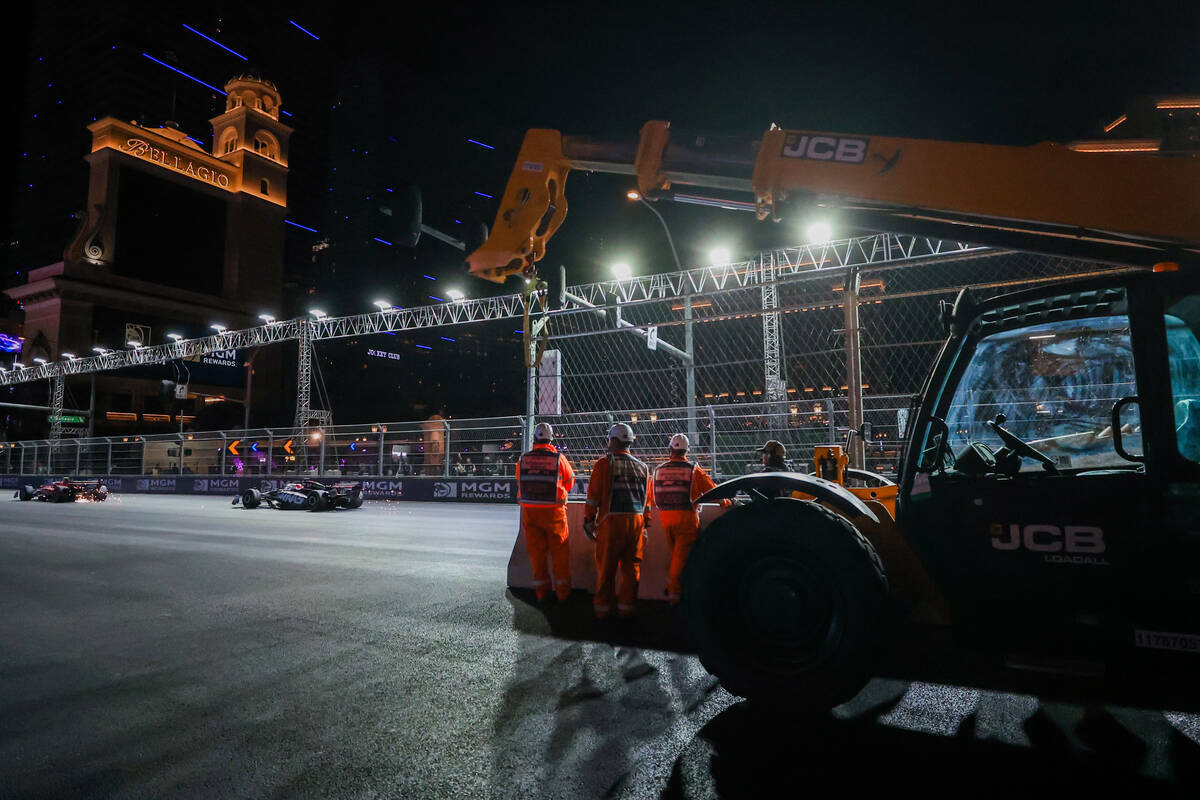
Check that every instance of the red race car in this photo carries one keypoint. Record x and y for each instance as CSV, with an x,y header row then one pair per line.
x,y
65,491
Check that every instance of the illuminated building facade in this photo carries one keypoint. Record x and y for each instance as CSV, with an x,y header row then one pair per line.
x,y
175,238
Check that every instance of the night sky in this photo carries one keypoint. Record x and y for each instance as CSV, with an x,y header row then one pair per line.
x,y
445,72
1007,74
423,80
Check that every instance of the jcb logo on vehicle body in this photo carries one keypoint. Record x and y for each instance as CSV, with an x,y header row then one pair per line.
x,y
846,149
1069,544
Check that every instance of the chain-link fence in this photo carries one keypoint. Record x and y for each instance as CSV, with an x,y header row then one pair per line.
x,y
732,355
704,361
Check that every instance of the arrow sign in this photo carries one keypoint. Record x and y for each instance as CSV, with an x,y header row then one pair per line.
x,y
287,446
354,445
233,447
254,447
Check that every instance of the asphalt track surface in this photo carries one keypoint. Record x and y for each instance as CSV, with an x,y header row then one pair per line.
x,y
178,647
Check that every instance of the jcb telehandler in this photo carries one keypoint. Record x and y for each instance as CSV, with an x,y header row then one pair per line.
x,y
1046,516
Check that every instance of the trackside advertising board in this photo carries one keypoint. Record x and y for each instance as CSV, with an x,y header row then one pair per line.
x,y
454,490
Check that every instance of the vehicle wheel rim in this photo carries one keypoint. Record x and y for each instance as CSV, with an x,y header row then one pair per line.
x,y
790,611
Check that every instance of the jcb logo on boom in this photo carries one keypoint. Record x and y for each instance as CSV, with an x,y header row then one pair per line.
x,y
846,149
1070,544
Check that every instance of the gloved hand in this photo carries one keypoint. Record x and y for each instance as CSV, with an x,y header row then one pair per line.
x,y
589,529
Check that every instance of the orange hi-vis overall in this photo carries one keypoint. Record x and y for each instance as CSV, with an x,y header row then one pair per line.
x,y
619,493
544,479
677,485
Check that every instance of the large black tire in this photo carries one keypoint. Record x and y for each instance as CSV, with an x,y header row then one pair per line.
x,y
314,501
25,492
356,499
251,498
786,603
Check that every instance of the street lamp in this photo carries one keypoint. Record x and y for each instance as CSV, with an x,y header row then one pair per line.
x,y
100,350
622,271
455,295
174,337
636,196
18,365
39,360
318,313
218,328
382,305
134,345
267,318
70,356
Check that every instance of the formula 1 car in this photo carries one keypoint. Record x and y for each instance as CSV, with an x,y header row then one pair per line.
x,y
306,495
64,491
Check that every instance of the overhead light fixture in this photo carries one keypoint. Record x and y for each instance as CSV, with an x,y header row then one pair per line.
x,y
318,313
99,350
68,355
218,328
39,360
719,256
634,195
622,271
174,337
267,318
134,345
455,294
382,305
18,365
818,232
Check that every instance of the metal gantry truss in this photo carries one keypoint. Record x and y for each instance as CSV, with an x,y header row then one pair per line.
x,y
767,270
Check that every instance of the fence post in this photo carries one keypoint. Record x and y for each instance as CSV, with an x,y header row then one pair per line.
x,y
78,454
689,367
223,440
853,365
832,420
109,441
530,406
143,468
712,440
179,470
382,434
446,448
321,456
270,452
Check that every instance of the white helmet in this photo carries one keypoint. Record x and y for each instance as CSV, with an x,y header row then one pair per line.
x,y
679,442
543,432
622,433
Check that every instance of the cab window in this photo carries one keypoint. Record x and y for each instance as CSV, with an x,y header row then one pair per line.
x,y
1182,321
1056,384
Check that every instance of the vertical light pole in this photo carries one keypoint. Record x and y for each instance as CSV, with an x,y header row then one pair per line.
x,y
853,366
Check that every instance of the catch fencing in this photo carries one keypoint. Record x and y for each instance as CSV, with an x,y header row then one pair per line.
x,y
732,355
